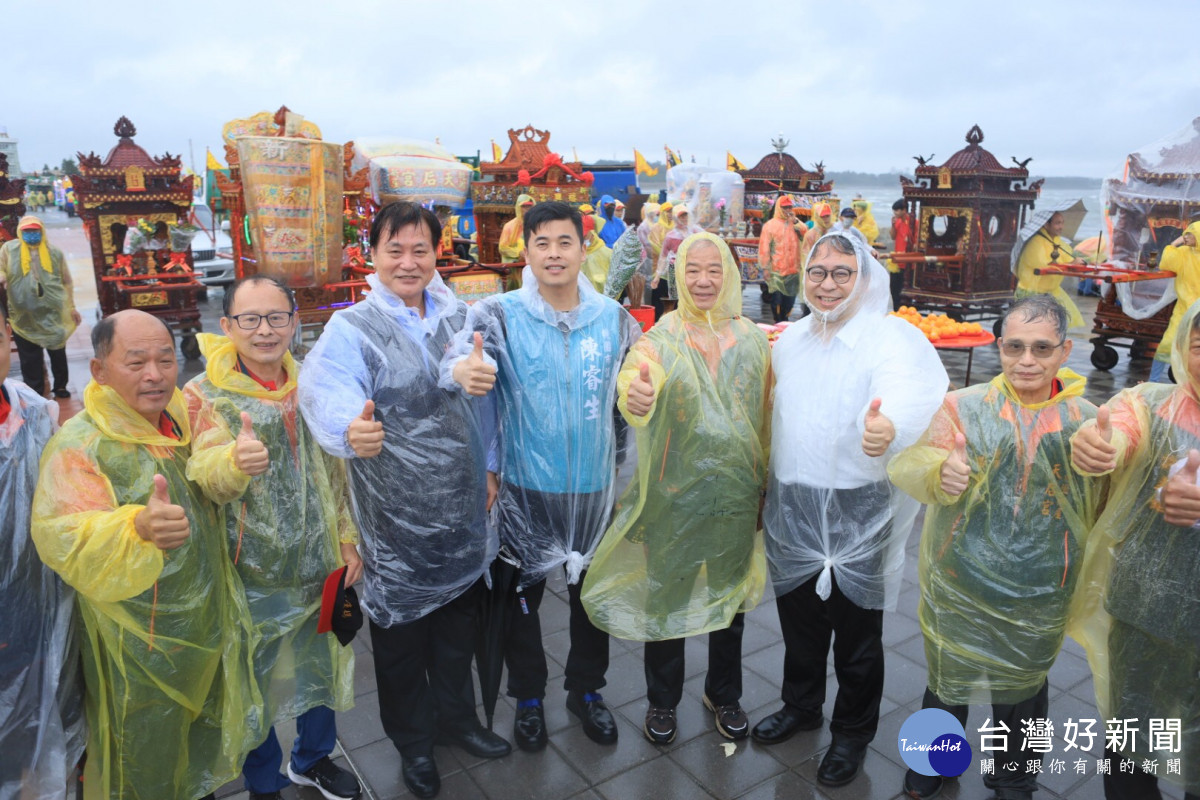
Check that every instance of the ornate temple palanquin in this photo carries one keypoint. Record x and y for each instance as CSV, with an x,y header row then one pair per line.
x,y
779,173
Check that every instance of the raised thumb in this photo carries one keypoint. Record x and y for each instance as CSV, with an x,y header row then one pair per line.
x,y
1188,472
160,489
874,408
368,412
1103,425
247,426
644,372
960,447
478,351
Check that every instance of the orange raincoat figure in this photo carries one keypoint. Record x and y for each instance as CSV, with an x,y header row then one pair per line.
x,y
779,258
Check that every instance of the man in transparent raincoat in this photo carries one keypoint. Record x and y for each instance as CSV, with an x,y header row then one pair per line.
x,y
1137,606
170,699
1004,532
853,387
41,695
683,555
41,304
287,526
417,461
555,348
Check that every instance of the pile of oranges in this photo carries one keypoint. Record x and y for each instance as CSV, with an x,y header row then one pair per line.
x,y
938,326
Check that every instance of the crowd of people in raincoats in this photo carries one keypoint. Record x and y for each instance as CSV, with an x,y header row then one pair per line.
x,y
176,552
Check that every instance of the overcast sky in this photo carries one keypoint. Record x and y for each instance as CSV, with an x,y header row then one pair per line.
x,y
858,85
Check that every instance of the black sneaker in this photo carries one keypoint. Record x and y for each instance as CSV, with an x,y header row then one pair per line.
x,y
268,796
730,719
922,787
660,726
328,778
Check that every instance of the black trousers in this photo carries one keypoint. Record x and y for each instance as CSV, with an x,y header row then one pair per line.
x,y
33,365
781,305
587,660
423,671
1136,785
723,683
808,624
896,286
1036,707
657,295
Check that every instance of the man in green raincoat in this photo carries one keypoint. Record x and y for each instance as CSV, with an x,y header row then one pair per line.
x,y
1002,544
41,304
1137,611
683,555
170,702
287,526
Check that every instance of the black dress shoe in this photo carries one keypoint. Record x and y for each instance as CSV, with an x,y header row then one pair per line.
x,y
479,742
529,728
598,722
841,763
783,724
421,775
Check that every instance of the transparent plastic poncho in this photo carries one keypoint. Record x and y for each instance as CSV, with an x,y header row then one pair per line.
x,y
1137,603
171,703
555,392
283,528
41,691
419,504
831,511
684,553
999,562
628,259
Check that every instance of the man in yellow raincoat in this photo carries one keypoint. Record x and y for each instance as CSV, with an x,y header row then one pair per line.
x,y
170,701
287,526
1137,608
864,220
779,258
1044,248
683,555
1181,257
1003,539
41,304
512,239
598,256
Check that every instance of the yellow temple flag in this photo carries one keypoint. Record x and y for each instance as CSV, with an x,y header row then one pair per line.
x,y
672,159
211,161
497,155
731,163
641,166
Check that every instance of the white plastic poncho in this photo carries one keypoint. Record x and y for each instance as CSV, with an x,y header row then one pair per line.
x,y
419,504
41,699
556,395
830,509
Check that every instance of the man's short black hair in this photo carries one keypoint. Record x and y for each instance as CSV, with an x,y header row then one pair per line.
x,y
399,215
232,290
102,336
899,205
549,211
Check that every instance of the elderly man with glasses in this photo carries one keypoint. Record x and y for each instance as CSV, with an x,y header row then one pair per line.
x,y
1003,538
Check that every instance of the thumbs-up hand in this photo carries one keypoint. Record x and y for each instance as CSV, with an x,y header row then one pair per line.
x,y
640,397
879,431
162,523
1181,495
249,454
365,434
476,376
1092,450
956,470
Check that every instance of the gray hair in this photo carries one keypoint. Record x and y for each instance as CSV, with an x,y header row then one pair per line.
x,y
1036,308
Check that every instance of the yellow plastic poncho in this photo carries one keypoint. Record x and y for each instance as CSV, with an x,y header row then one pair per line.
x,y
683,554
512,235
999,563
41,295
282,528
1184,261
660,229
596,262
1037,253
171,705
865,220
1137,604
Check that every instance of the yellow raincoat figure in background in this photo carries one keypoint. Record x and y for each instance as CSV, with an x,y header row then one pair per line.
x,y
659,231
865,220
683,555
1137,605
1044,248
512,239
598,258
170,701
1182,257
287,518
1005,524
41,304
